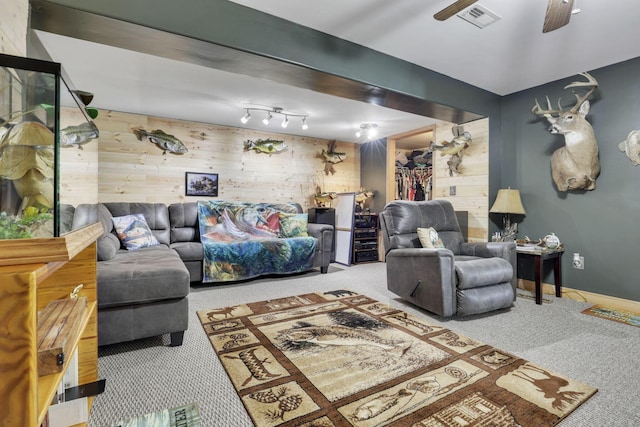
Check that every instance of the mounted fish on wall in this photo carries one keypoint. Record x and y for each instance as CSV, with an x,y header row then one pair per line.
x,y
331,157
76,136
460,142
631,147
268,146
169,143
322,198
361,197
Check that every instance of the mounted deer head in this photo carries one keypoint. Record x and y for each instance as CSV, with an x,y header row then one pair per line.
x,y
576,165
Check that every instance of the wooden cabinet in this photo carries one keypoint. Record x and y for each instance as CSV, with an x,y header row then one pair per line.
x,y
34,272
365,237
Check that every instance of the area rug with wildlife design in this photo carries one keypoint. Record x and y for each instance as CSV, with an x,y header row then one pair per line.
x,y
340,359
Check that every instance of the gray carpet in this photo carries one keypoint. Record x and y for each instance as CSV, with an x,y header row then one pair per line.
x,y
146,375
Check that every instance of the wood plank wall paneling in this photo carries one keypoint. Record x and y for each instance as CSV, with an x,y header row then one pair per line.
x,y
472,185
78,166
14,21
130,170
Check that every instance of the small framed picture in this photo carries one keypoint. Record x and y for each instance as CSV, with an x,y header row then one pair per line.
x,y
201,184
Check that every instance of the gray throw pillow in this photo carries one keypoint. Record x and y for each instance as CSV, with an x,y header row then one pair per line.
x,y
104,216
108,246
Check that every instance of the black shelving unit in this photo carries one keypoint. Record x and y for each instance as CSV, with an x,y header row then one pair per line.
x,y
365,238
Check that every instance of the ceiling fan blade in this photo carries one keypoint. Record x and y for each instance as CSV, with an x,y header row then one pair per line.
x,y
558,14
453,8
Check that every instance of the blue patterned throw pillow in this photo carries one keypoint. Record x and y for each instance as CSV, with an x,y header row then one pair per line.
x,y
133,232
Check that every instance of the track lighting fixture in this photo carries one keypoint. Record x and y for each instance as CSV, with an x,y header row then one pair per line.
x,y
368,130
276,110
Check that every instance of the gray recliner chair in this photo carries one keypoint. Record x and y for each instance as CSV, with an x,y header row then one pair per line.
x,y
460,279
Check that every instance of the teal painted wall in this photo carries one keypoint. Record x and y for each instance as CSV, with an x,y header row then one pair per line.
x,y
599,224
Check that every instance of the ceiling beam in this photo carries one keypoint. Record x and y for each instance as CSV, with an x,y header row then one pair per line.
x,y
70,22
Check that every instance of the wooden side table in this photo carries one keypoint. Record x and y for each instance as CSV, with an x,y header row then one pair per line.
x,y
539,257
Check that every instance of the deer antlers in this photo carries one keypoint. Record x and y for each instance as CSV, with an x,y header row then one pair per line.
x,y
591,83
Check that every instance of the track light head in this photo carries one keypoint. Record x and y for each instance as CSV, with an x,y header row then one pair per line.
x,y
271,111
369,130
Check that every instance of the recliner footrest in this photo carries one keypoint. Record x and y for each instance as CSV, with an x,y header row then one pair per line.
x,y
482,272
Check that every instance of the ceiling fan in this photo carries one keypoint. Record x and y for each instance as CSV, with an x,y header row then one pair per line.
x,y
557,15
453,8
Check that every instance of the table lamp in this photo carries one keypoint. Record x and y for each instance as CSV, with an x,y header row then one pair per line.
x,y
508,202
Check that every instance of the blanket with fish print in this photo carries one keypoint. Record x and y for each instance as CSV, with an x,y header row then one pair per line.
x,y
244,240
340,358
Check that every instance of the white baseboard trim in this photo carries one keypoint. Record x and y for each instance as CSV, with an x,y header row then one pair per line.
x,y
580,295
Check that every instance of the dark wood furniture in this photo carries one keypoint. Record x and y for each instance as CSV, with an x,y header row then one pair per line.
x,y
539,257
365,238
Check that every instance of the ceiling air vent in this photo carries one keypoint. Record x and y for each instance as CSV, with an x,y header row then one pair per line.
x,y
479,16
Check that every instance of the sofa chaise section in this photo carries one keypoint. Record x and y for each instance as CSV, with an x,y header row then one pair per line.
x,y
143,292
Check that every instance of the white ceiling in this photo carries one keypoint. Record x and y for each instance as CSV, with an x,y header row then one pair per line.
x,y
511,55
508,56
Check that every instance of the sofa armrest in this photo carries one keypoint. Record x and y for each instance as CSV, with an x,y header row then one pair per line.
x,y
504,250
321,232
425,277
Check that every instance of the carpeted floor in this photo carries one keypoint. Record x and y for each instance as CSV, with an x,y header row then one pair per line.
x,y
146,375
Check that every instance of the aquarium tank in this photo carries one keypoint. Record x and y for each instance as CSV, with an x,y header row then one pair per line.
x,y
30,92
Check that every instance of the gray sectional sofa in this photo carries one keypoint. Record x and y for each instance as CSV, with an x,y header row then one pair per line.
x,y
143,293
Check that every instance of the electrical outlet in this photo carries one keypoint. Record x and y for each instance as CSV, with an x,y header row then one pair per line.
x,y
578,262
452,190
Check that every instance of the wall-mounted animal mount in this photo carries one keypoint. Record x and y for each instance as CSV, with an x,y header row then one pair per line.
x,y
323,199
76,136
331,157
460,142
362,196
268,146
168,143
576,165
631,147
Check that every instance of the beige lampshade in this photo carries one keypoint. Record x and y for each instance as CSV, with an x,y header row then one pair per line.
x,y
508,201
